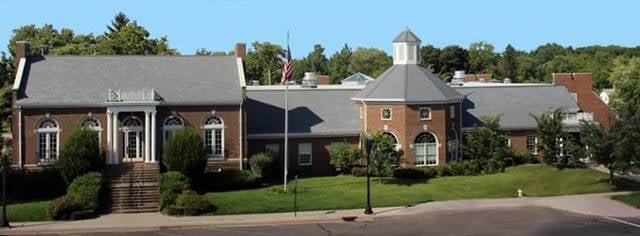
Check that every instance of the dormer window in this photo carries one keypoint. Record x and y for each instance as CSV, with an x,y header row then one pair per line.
x,y
425,113
385,113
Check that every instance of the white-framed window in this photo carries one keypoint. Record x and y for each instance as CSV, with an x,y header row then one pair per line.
x,y
170,125
393,138
93,124
48,135
425,113
425,149
452,112
386,113
214,136
532,142
273,148
304,154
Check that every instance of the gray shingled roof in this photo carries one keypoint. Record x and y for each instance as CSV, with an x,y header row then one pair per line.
x,y
408,83
311,112
407,36
85,80
515,104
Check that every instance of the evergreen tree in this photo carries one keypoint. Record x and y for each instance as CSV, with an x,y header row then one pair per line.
x,y
508,64
317,62
119,21
339,64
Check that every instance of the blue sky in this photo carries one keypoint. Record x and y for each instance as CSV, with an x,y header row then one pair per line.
x,y
219,24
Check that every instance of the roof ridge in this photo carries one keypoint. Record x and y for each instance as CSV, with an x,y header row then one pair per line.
x,y
176,56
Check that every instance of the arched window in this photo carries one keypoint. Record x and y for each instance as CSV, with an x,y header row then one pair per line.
x,y
48,133
425,149
132,121
214,136
91,123
171,124
453,146
133,129
391,136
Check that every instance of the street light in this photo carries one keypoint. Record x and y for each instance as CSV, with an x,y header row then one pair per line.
x,y
369,143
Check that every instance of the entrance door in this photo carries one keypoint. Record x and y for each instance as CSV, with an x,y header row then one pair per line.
x,y
133,141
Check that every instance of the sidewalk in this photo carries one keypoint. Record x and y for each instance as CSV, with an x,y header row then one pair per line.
x,y
629,176
590,204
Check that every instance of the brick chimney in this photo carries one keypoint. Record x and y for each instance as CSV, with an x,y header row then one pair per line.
x,y
241,50
486,78
22,51
470,78
581,86
323,79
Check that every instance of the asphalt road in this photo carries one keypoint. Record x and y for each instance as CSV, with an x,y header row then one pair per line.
x,y
501,221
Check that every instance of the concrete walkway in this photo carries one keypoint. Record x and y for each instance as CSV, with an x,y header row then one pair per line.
x,y
629,176
590,204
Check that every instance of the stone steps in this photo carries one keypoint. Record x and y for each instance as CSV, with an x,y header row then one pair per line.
x,y
133,188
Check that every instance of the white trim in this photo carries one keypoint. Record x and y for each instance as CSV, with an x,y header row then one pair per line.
x,y
170,128
147,137
109,137
49,132
390,113
420,113
154,158
241,72
310,154
18,80
211,127
20,136
302,135
404,101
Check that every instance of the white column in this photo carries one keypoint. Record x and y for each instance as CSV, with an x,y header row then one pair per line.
x,y
153,137
147,141
109,135
115,155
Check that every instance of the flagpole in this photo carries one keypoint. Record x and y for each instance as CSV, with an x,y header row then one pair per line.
x,y
286,124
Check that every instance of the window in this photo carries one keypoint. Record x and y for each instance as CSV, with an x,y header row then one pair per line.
x,y
425,113
93,124
213,136
532,141
453,145
385,113
273,148
411,53
391,136
452,112
425,150
48,134
304,154
171,124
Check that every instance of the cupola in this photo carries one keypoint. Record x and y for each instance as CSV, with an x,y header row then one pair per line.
x,y
406,48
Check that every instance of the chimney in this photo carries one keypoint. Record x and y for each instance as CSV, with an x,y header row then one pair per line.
x,y
581,86
470,78
241,50
484,77
22,51
323,79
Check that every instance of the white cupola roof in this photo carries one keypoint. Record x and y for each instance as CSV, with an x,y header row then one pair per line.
x,y
406,48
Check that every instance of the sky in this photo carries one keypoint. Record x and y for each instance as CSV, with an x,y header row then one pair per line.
x,y
218,24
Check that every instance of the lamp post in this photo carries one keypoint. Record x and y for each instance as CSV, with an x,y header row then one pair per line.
x,y
368,148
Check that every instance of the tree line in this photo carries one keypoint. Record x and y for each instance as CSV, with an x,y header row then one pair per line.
x,y
263,61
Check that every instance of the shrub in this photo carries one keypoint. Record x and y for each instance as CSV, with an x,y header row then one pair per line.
x,y
190,203
86,191
171,185
343,156
62,208
185,152
359,171
24,184
409,173
79,154
228,180
261,164
429,171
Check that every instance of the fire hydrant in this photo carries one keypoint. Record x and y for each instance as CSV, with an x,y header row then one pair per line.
x,y
520,193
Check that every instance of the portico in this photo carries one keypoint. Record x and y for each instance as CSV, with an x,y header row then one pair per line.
x,y
130,137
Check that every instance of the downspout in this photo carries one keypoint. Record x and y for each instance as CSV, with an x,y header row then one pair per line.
x,y
460,136
20,137
241,135
364,110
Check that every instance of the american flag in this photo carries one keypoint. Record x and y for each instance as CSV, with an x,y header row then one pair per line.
x,y
287,68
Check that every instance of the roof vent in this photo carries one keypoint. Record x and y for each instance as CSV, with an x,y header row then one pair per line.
x,y
255,82
458,78
309,80
506,81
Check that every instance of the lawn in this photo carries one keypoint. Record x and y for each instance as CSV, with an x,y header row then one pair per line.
x,y
33,210
630,199
344,192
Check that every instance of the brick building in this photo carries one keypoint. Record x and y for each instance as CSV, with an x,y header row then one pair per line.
x,y
135,102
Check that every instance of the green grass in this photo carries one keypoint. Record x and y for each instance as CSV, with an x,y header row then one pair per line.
x,y
345,192
629,199
32,210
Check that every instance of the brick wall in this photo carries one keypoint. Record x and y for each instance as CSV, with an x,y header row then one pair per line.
x,y
581,84
319,151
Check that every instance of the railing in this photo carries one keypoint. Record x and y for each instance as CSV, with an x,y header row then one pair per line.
x,y
576,118
141,95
